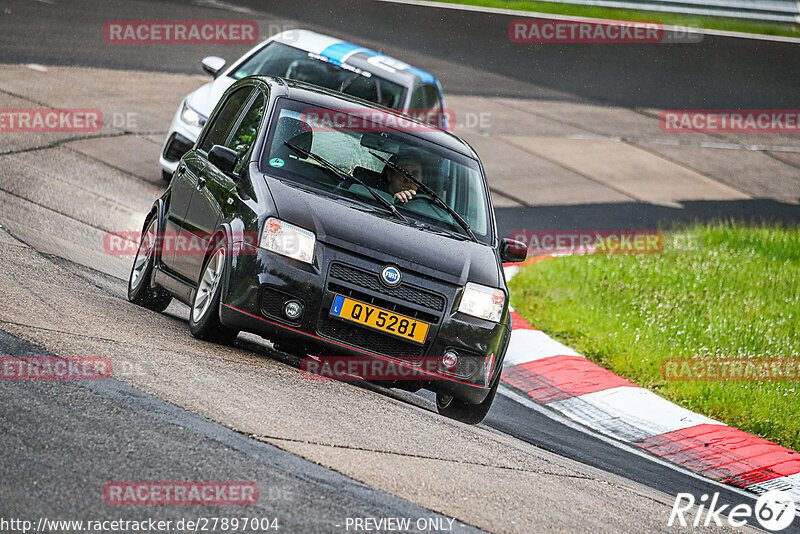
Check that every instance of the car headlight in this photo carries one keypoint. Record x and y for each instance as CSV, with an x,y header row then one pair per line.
x,y
190,116
481,301
288,240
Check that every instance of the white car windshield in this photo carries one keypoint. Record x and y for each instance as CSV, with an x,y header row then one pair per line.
x,y
277,59
372,154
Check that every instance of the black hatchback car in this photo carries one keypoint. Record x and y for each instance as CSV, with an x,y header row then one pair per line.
x,y
335,227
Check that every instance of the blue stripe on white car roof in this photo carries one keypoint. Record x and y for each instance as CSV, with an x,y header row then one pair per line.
x,y
341,51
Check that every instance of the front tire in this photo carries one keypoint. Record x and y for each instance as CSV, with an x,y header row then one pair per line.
x,y
140,290
166,176
204,320
472,414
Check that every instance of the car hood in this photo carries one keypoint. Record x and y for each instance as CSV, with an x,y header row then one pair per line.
x,y
430,254
206,97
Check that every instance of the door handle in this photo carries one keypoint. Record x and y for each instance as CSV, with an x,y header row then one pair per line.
x,y
201,183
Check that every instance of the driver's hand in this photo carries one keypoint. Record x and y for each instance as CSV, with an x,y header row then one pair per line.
x,y
404,196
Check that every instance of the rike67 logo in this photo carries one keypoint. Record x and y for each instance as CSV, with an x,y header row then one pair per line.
x,y
774,511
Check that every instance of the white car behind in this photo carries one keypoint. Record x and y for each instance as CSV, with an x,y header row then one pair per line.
x,y
311,57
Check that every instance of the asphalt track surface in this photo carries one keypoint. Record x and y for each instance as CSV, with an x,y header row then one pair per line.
x,y
469,52
459,47
135,436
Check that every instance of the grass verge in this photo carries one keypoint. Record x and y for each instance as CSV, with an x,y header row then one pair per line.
x,y
718,291
671,19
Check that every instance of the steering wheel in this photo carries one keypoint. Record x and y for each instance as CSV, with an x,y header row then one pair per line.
x,y
421,196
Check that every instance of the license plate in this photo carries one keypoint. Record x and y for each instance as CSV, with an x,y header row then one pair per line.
x,y
379,319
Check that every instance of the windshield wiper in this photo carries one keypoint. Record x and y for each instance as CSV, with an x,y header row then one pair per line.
x,y
436,199
461,236
343,176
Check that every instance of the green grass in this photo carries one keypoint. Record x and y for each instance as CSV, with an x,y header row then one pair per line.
x,y
720,291
674,19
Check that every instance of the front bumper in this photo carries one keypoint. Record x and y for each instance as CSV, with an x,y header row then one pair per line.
x,y
260,282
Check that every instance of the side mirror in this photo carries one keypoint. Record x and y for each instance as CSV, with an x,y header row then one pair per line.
x,y
213,65
512,251
223,158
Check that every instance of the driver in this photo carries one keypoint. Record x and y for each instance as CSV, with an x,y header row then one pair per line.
x,y
397,185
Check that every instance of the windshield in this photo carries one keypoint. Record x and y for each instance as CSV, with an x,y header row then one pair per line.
x,y
296,142
277,59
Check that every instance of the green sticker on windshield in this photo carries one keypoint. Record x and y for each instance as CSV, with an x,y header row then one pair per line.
x,y
276,162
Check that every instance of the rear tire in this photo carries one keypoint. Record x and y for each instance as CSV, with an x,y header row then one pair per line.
x,y
204,320
140,290
472,414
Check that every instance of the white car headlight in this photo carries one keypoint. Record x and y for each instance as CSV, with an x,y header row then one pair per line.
x,y
190,116
481,301
288,240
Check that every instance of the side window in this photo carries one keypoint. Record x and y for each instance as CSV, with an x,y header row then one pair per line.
x,y
425,96
427,107
432,97
244,136
417,99
216,132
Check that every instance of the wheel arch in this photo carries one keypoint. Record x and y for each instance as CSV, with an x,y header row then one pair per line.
x,y
233,232
159,210
159,207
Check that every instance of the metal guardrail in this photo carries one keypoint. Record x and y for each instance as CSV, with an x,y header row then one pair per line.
x,y
764,10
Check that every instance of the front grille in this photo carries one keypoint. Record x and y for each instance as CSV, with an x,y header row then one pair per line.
x,y
381,303
372,282
368,339
176,147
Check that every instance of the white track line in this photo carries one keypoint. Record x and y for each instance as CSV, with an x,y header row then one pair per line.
x,y
630,413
